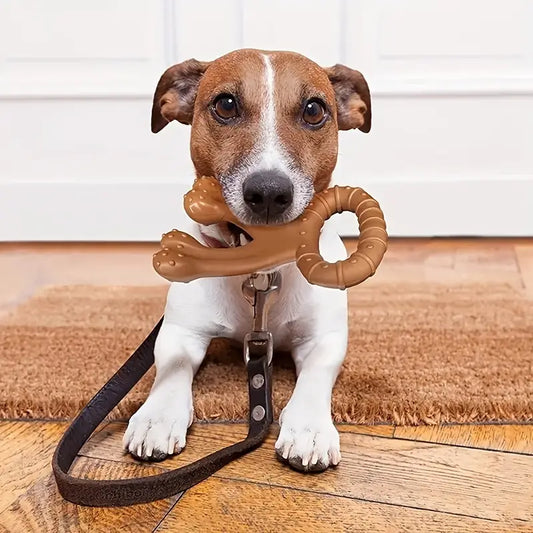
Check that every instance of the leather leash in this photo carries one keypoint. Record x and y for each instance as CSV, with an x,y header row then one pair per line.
x,y
119,492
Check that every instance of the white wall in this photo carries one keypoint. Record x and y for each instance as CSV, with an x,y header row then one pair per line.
x,y
452,83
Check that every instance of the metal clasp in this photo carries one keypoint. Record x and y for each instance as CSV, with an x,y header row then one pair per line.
x,y
259,290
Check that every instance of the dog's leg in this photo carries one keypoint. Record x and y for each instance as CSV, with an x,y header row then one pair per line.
x,y
308,440
159,427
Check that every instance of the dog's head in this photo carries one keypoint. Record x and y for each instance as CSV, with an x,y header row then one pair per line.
x,y
265,124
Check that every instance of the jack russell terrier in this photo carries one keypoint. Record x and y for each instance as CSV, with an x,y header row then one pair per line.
x,y
265,124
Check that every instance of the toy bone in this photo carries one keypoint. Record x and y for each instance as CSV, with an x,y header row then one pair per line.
x,y
183,258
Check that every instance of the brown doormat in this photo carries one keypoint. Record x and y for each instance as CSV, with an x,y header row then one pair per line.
x,y
422,353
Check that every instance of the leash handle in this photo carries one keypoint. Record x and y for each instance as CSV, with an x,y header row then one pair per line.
x,y
120,492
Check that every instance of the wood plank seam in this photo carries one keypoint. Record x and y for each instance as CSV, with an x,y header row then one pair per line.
x,y
462,445
164,517
335,495
469,447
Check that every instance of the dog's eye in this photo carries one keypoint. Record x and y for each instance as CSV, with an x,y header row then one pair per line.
x,y
225,106
314,112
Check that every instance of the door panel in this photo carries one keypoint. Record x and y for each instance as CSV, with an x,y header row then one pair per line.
x,y
452,83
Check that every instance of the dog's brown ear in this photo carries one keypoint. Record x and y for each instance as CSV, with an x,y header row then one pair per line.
x,y
176,92
353,98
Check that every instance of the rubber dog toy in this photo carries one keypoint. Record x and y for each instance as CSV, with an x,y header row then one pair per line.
x,y
183,258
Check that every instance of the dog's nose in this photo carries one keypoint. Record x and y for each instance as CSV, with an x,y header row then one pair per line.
x,y
268,193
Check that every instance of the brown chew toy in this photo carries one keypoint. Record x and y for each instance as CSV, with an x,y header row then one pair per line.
x,y
183,258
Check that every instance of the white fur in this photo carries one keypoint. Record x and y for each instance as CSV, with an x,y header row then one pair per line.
x,y
270,152
310,321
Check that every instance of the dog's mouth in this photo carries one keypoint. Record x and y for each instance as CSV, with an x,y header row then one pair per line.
x,y
237,236
226,235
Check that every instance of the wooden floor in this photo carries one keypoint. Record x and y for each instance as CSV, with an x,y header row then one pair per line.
x,y
452,478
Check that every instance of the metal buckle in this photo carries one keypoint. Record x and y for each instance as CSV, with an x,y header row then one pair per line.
x,y
261,338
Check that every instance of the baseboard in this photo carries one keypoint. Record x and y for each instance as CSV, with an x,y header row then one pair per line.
x,y
107,211
95,211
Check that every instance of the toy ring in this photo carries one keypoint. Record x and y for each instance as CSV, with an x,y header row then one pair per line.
x,y
183,258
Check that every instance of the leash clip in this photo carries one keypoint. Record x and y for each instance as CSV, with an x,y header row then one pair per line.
x,y
256,344
259,290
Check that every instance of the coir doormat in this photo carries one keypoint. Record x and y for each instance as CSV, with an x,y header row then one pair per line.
x,y
423,353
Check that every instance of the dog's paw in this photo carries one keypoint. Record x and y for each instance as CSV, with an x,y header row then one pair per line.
x,y
307,442
156,431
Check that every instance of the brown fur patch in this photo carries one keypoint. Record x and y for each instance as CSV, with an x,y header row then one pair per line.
x,y
175,93
353,98
216,148
186,93
298,79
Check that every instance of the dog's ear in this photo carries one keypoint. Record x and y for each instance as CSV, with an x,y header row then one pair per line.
x,y
176,92
353,98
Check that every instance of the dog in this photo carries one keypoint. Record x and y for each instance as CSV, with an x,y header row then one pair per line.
x,y
265,125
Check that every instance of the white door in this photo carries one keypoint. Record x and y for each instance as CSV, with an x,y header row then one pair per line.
x,y
452,83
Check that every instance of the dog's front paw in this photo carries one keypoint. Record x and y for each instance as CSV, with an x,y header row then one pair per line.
x,y
306,441
157,430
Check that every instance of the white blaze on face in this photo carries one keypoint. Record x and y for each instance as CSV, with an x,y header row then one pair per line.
x,y
269,149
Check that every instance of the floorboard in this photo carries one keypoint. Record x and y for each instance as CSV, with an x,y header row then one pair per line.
x,y
512,438
227,505
472,482
42,509
25,452
393,480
